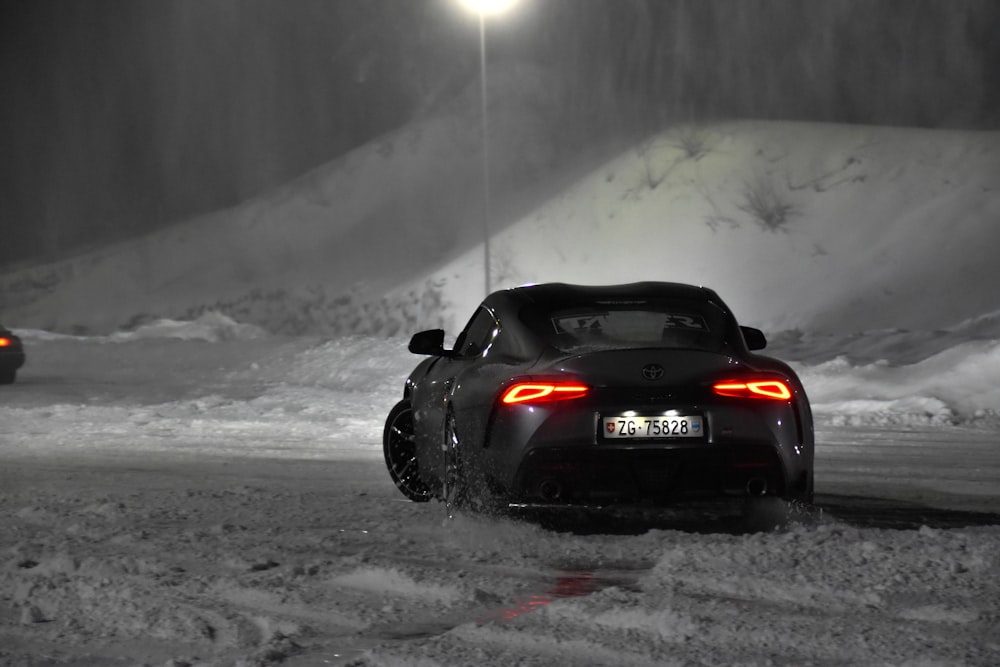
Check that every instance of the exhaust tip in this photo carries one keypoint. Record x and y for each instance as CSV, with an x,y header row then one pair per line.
x,y
550,490
757,487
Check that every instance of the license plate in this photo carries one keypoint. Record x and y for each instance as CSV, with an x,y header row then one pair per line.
x,y
652,426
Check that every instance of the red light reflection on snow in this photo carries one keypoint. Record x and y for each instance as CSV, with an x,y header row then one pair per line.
x,y
575,585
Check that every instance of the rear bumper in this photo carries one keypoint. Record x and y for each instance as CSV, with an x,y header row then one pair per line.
x,y
559,453
601,475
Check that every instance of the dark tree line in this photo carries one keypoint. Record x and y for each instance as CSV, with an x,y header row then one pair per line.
x,y
118,116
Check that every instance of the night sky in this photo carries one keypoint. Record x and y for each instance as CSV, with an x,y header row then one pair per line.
x,y
118,116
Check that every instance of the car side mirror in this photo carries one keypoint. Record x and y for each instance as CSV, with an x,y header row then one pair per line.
x,y
754,338
428,342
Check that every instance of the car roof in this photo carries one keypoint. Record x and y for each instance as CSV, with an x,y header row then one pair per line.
x,y
547,294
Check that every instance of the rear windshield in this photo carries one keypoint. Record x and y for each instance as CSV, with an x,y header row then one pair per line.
x,y
615,325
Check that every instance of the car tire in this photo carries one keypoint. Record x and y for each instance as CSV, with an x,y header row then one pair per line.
x,y
461,489
8,376
400,453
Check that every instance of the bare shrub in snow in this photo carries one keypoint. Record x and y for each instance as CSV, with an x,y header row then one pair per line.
x,y
768,209
692,141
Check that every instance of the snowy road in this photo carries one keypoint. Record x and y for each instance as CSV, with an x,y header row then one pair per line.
x,y
225,503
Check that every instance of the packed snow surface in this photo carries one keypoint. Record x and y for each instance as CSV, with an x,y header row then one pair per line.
x,y
202,493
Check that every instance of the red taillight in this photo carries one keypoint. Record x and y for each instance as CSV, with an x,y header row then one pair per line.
x,y
773,389
4,342
535,392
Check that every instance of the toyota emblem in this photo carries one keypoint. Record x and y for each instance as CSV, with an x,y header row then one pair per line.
x,y
652,371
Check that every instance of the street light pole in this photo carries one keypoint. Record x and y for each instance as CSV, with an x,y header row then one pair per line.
x,y
482,9
484,119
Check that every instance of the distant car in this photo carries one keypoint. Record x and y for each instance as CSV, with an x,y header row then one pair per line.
x,y
559,394
11,356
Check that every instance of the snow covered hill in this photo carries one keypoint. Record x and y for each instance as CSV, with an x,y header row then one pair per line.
x,y
820,228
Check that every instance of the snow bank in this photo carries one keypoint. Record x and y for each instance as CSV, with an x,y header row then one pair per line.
x,y
211,326
959,384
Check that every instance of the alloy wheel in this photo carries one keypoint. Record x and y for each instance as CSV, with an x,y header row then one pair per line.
x,y
399,449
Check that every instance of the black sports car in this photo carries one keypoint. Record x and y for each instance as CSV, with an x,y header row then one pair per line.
x,y
11,356
561,394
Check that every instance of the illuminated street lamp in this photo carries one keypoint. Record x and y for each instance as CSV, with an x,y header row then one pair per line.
x,y
484,9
